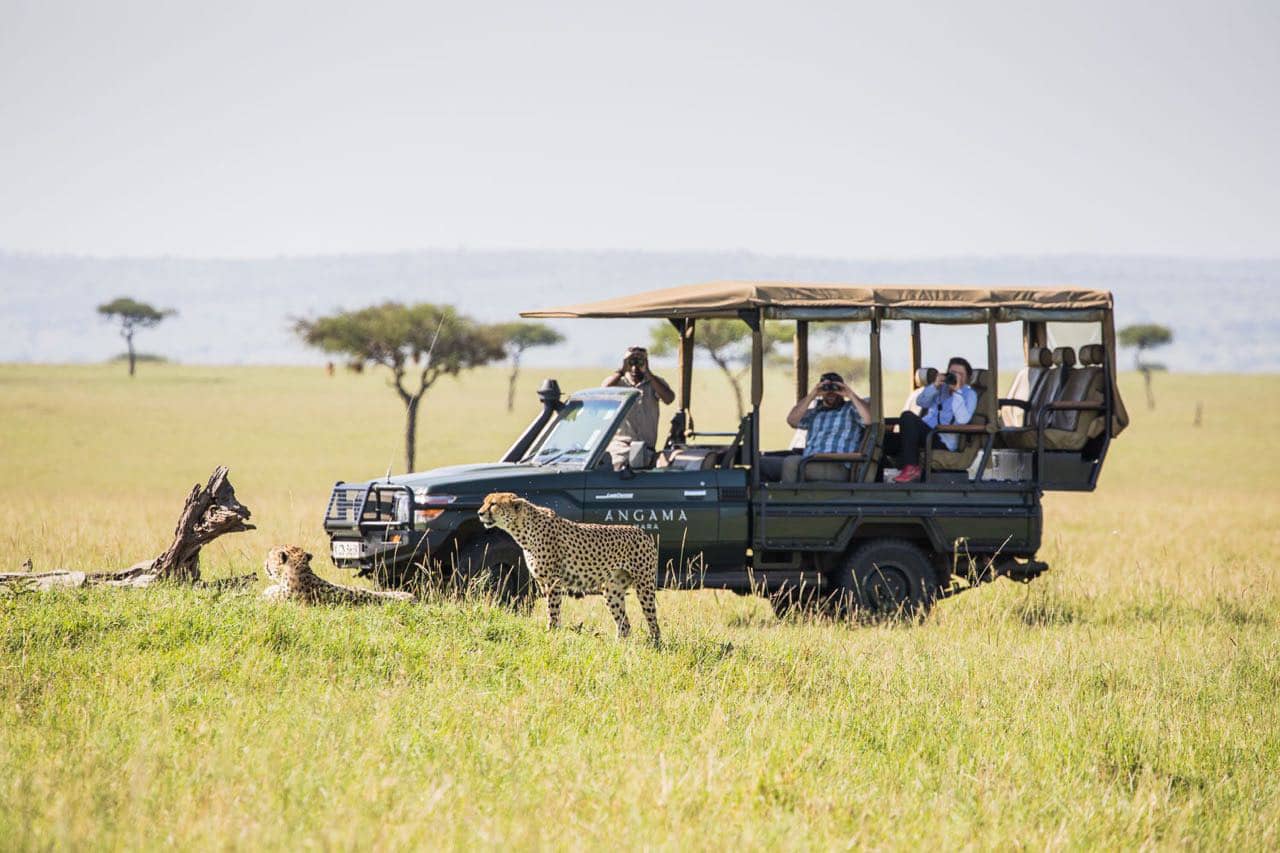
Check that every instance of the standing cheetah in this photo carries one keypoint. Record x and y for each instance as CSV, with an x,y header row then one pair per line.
x,y
290,567
565,556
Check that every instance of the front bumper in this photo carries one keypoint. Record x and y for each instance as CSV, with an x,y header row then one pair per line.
x,y
378,527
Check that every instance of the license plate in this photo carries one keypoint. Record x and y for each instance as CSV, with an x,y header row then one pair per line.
x,y
347,550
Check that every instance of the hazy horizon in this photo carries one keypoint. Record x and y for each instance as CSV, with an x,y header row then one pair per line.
x,y
238,311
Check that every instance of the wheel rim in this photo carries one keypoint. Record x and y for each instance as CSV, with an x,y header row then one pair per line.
x,y
886,588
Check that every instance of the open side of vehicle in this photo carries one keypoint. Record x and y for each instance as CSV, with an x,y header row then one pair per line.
x,y
975,514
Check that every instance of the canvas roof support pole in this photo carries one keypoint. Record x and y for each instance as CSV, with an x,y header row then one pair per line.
x,y
915,349
1036,334
685,326
993,368
801,356
684,355
754,319
877,380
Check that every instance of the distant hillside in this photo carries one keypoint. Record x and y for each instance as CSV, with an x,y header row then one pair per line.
x,y
238,311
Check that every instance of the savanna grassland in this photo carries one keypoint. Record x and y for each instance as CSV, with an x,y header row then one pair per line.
x,y
1129,698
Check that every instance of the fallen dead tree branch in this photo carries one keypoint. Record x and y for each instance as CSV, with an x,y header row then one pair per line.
x,y
209,512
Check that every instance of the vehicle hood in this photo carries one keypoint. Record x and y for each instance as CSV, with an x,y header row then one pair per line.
x,y
478,478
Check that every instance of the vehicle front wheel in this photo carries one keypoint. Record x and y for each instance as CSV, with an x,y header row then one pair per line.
x,y
888,578
493,564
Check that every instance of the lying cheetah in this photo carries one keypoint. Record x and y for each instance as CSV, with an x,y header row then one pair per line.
x,y
290,567
565,556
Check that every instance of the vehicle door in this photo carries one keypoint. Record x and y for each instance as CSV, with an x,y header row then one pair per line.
x,y
680,509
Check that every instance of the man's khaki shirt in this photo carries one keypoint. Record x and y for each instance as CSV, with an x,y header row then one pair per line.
x,y
641,422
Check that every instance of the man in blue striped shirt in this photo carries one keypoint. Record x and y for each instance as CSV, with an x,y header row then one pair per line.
x,y
834,425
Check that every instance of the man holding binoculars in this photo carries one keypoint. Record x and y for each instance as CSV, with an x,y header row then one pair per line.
x,y
641,423
947,400
834,418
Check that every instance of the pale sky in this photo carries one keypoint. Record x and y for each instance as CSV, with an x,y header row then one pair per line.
x,y
842,129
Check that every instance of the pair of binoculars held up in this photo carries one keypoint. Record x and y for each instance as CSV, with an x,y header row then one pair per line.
x,y
928,375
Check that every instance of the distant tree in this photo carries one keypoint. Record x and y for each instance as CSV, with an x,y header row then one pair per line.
x,y
1142,337
854,369
838,342
422,342
133,315
518,337
829,352
726,342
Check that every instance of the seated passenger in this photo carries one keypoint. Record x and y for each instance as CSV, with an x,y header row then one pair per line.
x,y
834,425
944,402
641,422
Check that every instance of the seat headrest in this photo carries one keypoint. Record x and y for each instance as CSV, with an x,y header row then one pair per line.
x,y
1064,357
979,378
1039,357
925,376
1092,354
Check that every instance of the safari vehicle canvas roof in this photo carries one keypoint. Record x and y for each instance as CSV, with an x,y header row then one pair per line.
x,y
795,300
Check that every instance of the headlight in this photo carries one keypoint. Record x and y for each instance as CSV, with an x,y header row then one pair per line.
x,y
430,506
402,507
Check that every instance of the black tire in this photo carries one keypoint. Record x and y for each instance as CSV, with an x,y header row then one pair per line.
x,y
793,599
413,575
887,578
804,601
493,564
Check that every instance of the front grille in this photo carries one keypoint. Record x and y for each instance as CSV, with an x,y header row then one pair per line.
x,y
350,506
346,504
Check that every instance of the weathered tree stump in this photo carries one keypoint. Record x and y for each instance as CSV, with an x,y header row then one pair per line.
x,y
208,513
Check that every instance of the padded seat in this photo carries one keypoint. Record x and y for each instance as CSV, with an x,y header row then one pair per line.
x,y
1030,388
922,377
690,458
1075,414
1023,436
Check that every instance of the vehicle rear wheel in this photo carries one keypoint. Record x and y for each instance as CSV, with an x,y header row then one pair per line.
x,y
888,578
493,564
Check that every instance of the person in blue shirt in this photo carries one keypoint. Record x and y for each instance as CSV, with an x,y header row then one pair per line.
x,y
834,425
942,403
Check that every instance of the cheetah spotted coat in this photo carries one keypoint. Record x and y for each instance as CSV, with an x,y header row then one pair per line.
x,y
565,556
290,567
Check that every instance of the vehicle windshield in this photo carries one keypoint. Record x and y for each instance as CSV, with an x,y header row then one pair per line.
x,y
578,429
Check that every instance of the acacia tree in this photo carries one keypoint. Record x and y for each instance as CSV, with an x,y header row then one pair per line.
x,y
417,343
726,342
840,341
133,315
1145,336
518,337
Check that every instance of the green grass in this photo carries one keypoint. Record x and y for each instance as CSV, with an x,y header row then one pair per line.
x,y
1126,699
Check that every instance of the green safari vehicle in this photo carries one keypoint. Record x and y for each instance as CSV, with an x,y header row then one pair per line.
x,y
864,540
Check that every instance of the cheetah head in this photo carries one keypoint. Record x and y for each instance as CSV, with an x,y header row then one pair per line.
x,y
500,509
286,561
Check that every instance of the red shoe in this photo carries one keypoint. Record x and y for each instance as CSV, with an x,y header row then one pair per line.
x,y
909,474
